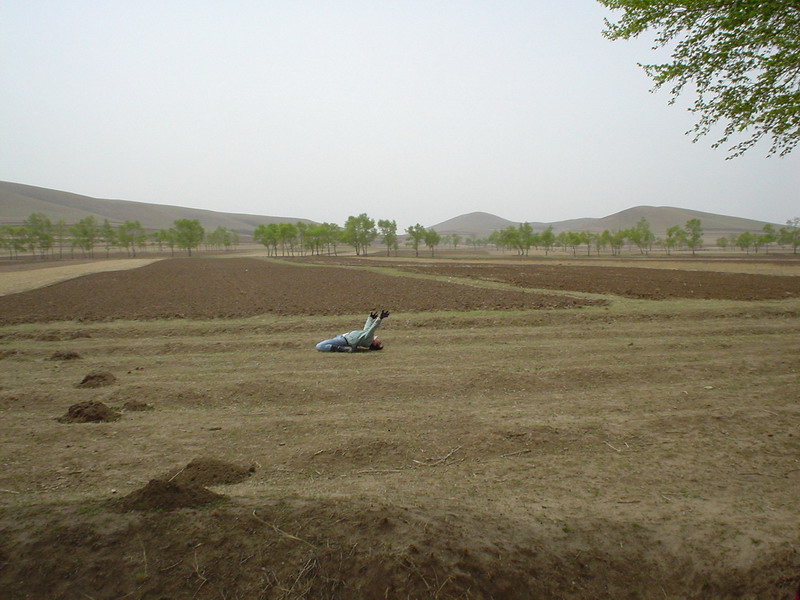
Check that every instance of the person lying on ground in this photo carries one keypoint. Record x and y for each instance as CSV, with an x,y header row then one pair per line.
x,y
359,339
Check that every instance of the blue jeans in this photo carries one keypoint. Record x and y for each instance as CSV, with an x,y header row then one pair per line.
x,y
331,344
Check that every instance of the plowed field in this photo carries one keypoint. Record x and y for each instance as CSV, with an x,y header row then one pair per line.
x,y
207,288
628,281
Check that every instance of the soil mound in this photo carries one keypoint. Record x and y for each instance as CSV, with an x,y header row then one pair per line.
x,y
97,379
210,471
160,494
65,355
137,406
89,412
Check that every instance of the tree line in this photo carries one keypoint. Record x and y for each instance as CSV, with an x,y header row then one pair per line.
x,y
38,235
359,232
639,238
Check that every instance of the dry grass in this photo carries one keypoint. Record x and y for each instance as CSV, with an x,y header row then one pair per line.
x,y
660,387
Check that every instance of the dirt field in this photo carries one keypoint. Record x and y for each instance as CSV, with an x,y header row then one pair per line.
x,y
20,276
586,441
207,288
630,281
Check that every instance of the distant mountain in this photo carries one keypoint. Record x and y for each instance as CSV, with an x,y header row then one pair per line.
x,y
661,218
475,224
480,225
18,202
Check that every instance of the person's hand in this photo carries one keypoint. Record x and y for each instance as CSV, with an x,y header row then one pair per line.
x,y
373,315
384,314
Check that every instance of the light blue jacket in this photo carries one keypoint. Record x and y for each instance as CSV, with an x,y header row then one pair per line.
x,y
363,337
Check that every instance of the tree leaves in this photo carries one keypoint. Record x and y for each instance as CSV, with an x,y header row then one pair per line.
x,y
742,58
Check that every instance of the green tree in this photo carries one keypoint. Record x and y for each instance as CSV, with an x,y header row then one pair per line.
x,y
740,56
416,234
171,239
85,234
676,238
509,238
332,234
164,237
694,234
287,234
189,234
220,238
311,239
302,229
131,235
269,236
573,239
359,232
616,240
587,238
603,240
108,236
13,239
40,233
561,240
60,232
5,239
526,237
432,239
723,242
548,239
319,237
641,236
769,236
388,233
790,235
495,239
744,241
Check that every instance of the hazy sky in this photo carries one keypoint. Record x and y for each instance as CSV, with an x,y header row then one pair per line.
x,y
416,111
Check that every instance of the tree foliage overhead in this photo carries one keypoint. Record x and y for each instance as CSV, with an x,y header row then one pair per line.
x,y
741,56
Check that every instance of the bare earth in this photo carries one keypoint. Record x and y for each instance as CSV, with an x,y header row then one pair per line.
x,y
530,431
206,288
15,278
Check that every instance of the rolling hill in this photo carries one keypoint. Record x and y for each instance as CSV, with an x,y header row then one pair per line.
x,y
479,224
18,202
